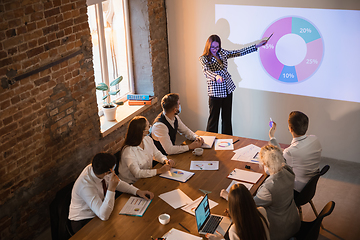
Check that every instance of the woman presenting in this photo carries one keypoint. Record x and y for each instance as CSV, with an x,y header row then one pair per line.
x,y
219,83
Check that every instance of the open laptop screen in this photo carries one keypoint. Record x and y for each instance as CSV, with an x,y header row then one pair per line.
x,y
202,212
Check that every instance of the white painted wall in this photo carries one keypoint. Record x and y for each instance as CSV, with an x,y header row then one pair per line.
x,y
190,22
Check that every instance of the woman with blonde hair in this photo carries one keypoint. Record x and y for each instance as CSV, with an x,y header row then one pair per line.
x,y
249,222
276,194
138,153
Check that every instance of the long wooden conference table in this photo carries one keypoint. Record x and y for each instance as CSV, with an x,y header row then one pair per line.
x,y
147,226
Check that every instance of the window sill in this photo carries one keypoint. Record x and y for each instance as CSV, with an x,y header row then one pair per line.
x,y
124,114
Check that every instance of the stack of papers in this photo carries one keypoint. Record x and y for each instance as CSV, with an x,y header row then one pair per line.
x,y
176,198
190,208
246,176
249,153
175,234
177,175
247,185
224,144
135,206
204,165
208,141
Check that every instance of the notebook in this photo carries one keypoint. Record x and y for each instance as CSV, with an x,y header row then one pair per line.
x,y
208,141
207,222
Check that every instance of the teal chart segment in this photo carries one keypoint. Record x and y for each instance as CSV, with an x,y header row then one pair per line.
x,y
294,52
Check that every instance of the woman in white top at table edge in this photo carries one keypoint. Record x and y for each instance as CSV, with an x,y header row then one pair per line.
x,y
138,153
249,222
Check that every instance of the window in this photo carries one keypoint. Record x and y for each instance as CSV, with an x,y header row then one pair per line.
x,y
108,22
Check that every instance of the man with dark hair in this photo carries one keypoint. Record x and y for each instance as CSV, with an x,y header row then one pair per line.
x,y
304,153
93,193
168,123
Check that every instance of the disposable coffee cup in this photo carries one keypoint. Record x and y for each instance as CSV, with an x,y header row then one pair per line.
x,y
164,218
198,151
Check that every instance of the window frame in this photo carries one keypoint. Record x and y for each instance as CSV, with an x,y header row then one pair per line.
x,y
102,46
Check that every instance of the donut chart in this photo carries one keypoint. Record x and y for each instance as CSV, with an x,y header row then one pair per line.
x,y
309,50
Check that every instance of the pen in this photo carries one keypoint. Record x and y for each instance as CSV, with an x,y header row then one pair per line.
x,y
236,141
184,227
115,174
255,155
198,166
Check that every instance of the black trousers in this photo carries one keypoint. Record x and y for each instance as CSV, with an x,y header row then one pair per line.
x,y
215,106
77,225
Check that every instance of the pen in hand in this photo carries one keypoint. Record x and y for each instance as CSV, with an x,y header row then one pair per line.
x,y
115,174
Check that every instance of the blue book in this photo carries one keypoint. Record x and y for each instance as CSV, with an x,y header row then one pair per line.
x,y
138,97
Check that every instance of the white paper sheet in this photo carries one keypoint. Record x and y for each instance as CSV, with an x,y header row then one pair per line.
x,y
247,176
208,141
247,185
135,206
249,153
204,165
176,198
175,234
224,144
190,208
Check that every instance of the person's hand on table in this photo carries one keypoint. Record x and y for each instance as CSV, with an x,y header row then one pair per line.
x,y
272,130
219,79
216,236
164,168
145,194
196,144
226,212
200,139
224,194
170,162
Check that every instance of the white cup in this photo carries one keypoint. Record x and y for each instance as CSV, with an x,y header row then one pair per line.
x,y
198,151
164,218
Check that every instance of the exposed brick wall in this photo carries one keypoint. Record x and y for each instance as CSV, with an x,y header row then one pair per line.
x,y
49,127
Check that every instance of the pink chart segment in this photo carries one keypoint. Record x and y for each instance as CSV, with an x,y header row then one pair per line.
x,y
314,54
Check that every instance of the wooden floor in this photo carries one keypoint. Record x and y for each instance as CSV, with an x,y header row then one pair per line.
x,y
340,184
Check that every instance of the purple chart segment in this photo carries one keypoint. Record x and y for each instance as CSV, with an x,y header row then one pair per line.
x,y
267,53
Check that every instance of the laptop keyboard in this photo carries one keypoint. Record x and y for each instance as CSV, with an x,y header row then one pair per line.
x,y
212,224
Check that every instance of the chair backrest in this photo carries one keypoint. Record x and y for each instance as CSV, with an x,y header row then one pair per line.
x,y
309,190
118,158
314,229
59,212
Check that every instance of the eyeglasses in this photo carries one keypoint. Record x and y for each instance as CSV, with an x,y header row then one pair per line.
x,y
215,47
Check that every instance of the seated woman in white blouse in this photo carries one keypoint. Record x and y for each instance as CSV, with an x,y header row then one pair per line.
x,y
138,153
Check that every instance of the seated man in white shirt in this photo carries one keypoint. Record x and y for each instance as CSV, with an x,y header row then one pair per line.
x,y
93,193
304,153
168,123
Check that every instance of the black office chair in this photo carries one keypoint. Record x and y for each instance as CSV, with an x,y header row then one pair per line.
x,y
308,192
118,158
59,212
311,230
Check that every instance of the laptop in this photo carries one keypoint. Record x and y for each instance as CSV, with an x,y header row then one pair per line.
x,y
210,223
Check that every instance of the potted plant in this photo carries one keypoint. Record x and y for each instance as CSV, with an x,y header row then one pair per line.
x,y
109,107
